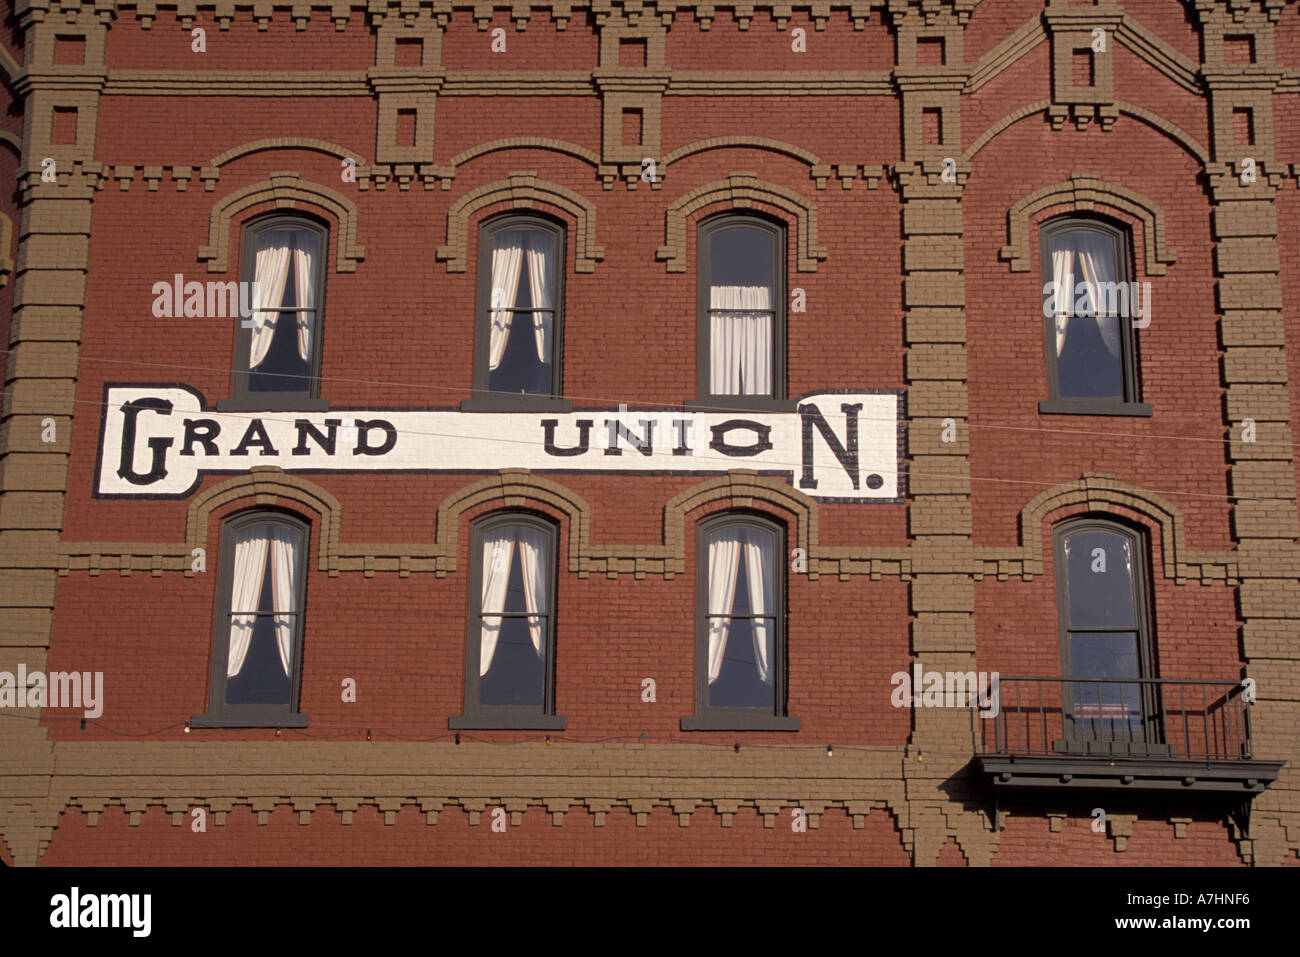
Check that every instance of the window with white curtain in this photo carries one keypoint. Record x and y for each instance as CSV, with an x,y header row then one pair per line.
x,y
510,662
277,349
742,312
521,295
740,646
1089,315
257,647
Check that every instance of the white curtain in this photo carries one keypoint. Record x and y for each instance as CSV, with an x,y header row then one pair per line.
x,y
532,555
760,552
271,273
540,251
1063,275
304,287
740,347
724,562
498,553
251,544
1094,257
1096,262
284,568
507,259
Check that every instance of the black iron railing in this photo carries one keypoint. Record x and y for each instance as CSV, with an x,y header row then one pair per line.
x,y
1148,717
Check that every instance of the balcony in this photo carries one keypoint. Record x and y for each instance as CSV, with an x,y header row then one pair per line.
x,y
1135,734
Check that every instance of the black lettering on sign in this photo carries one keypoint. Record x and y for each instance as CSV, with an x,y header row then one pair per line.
x,y
203,431
584,437
306,430
763,434
256,435
157,445
846,452
365,427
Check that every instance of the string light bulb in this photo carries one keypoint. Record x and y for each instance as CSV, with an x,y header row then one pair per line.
x,y
830,751
187,727
367,734
737,747
548,740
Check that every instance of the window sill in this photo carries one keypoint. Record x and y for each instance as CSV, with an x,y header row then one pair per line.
x,y
1094,407
739,722
274,402
516,403
248,721
478,722
740,404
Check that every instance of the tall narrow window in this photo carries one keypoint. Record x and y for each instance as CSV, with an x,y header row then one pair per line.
x,y
742,313
257,648
510,664
740,637
1089,310
277,348
1105,635
521,295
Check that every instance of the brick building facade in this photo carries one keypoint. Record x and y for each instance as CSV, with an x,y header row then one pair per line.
x,y
899,458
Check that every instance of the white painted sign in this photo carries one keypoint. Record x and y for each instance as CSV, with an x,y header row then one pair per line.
x,y
158,441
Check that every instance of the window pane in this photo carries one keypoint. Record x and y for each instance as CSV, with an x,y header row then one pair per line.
x,y
1107,707
1099,575
515,622
281,341
521,321
262,678
1088,343
741,310
742,621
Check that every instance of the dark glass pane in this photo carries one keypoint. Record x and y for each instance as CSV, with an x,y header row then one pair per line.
x,y
521,369
741,256
1099,573
1108,708
283,369
517,674
1085,367
739,684
261,680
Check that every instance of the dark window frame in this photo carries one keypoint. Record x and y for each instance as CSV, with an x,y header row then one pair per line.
x,y
484,400
721,718
1129,404
477,716
223,715
706,399
1143,605
307,400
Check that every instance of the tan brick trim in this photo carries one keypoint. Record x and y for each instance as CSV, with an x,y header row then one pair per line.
x,y
526,143
522,190
286,190
286,143
1104,492
511,488
1006,53
741,191
1010,119
1165,58
743,142
1085,191
1172,130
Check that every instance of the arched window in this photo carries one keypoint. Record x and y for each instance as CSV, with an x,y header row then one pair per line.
x,y
1103,605
258,634
510,659
518,343
1089,312
740,632
741,302
278,347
